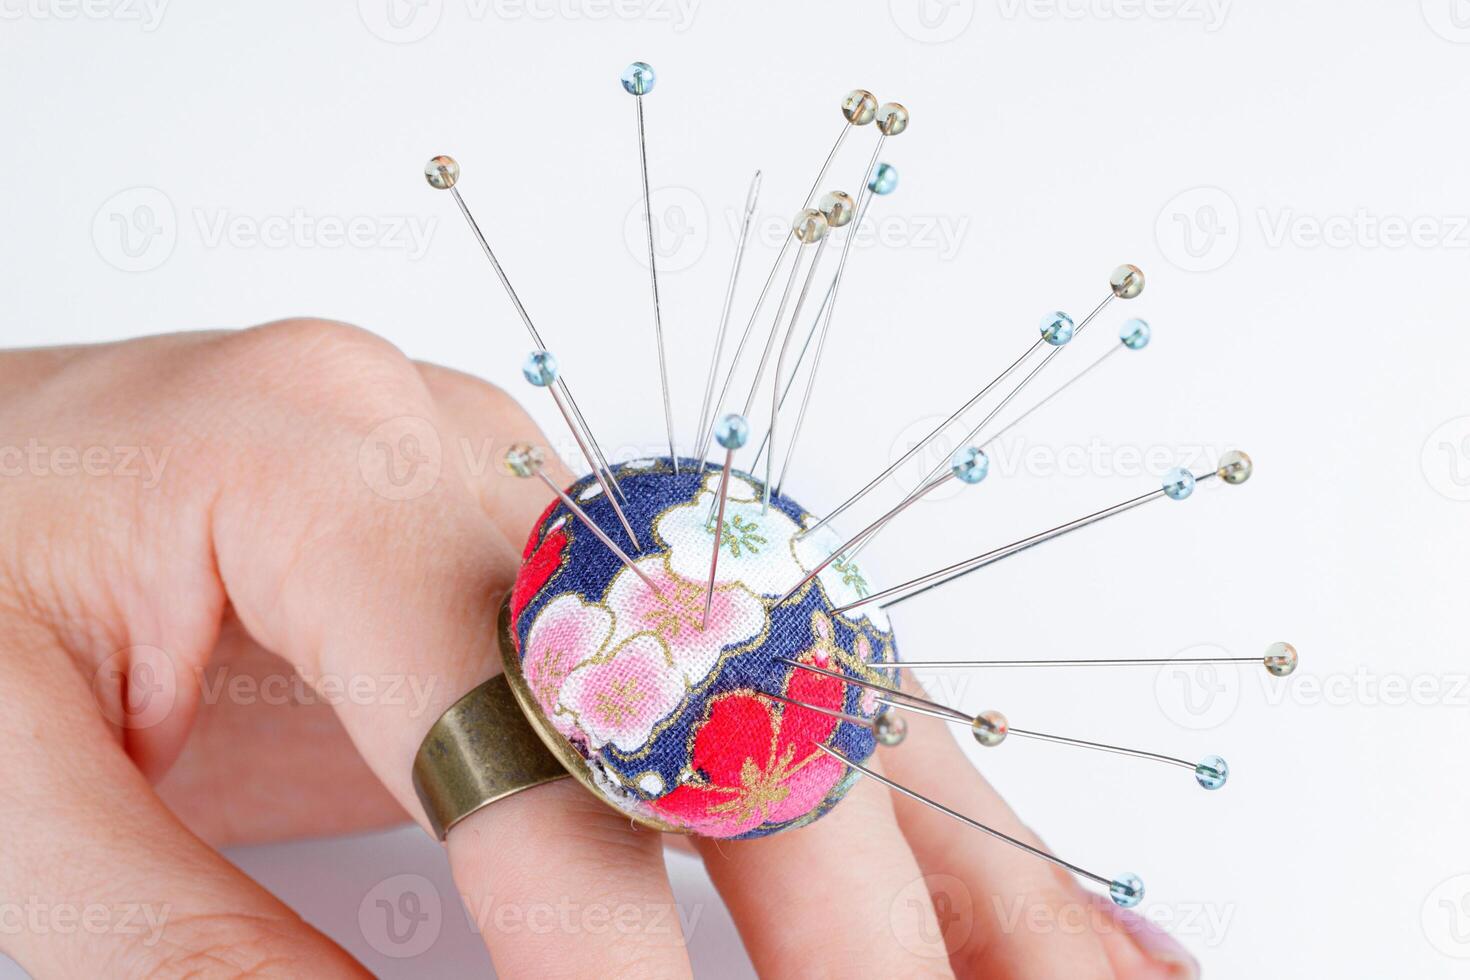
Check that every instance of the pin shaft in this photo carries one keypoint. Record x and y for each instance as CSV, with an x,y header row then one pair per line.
x,y
1148,662
760,300
581,515
1051,355
714,559
709,385
596,474
969,821
934,433
864,195
658,320
781,362
594,460
872,528
829,712
951,572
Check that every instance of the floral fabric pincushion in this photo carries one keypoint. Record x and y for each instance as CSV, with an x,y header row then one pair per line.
x,y
667,719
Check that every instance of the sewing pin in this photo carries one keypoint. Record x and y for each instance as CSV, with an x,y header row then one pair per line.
x,y
1126,890
731,432
442,173
524,461
638,80
709,385
541,370
1178,484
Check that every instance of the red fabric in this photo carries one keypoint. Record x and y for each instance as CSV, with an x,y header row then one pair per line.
x,y
537,567
752,752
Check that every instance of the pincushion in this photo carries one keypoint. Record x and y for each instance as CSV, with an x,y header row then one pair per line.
x,y
670,722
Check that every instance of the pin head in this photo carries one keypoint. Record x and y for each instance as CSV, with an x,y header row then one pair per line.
x,y
969,465
1126,891
859,106
1212,772
1178,483
1057,328
809,226
442,173
732,431
1126,281
890,728
892,118
1135,334
990,728
540,368
885,179
837,208
524,460
1235,467
639,78
1281,659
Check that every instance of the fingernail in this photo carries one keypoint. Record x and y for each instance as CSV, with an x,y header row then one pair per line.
x,y
1157,944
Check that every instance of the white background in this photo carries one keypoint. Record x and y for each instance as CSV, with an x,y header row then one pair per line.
x,y
1290,174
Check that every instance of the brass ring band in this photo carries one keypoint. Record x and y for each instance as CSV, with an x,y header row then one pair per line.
x,y
481,750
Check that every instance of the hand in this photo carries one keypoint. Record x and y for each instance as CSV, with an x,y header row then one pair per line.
x,y
184,512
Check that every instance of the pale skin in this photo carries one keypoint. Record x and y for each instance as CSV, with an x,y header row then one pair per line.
x,y
262,548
